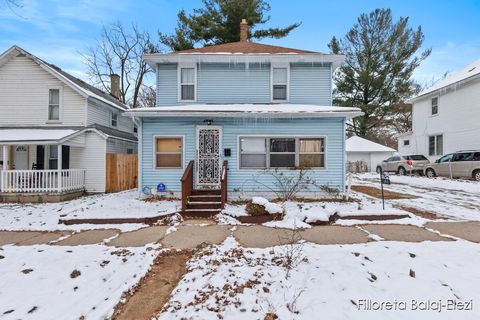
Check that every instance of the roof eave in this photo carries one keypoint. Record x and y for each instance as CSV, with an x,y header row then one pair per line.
x,y
239,114
155,58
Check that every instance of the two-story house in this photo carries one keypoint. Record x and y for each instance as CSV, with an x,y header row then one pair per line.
x,y
56,130
445,116
238,117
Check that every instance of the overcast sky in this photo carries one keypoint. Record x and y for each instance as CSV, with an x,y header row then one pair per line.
x,y
58,30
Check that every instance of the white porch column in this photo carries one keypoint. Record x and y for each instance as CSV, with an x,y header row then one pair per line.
x,y
59,167
3,177
5,157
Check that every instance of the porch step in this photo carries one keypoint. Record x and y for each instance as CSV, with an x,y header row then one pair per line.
x,y
203,213
205,198
206,192
204,205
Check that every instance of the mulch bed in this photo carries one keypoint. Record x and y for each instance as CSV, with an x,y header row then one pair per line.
x,y
377,193
145,220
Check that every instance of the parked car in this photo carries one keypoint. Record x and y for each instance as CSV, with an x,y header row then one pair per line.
x,y
402,165
461,164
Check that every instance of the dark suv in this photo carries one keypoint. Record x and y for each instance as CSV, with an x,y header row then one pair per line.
x,y
461,164
402,165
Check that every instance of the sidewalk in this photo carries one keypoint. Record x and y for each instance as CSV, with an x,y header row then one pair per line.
x,y
190,234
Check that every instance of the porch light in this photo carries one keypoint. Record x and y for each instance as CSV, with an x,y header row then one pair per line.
x,y
208,122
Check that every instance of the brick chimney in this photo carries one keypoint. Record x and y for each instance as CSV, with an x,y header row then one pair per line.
x,y
244,30
115,85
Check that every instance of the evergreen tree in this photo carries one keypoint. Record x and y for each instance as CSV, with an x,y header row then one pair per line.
x,y
218,21
380,57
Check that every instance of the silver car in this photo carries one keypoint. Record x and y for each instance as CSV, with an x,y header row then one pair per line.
x,y
461,164
402,165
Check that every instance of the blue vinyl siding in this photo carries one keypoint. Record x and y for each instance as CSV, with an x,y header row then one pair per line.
x,y
241,179
310,84
233,83
246,83
167,87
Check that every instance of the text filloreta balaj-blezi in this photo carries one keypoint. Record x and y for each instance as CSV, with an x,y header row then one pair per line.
x,y
415,305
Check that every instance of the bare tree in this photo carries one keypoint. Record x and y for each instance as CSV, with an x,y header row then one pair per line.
x,y
147,97
120,50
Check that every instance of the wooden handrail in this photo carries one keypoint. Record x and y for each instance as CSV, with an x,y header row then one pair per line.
x,y
187,184
224,183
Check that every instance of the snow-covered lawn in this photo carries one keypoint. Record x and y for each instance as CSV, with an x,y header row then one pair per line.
x,y
113,205
454,199
40,282
329,282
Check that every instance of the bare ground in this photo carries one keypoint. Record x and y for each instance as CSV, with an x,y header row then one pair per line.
x,y
147,299
377,193
421,213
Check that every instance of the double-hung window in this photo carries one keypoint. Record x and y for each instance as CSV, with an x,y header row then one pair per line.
x,y
187,84
279,84
312,152
53,157
114,119
434,106
282,152
168,152
435,145
54,104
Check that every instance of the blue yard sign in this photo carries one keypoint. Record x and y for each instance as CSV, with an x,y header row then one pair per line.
x,y
161,187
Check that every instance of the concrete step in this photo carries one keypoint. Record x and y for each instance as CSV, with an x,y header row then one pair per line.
x,y
204,213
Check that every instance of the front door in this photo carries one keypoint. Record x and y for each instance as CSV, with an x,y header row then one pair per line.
x,y
21,157
207,160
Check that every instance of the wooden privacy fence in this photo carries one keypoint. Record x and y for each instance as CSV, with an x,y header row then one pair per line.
x,y
122,172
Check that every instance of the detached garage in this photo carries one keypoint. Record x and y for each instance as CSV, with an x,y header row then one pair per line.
x,y
364,155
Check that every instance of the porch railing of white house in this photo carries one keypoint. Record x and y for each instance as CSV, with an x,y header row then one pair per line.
x,y
35,181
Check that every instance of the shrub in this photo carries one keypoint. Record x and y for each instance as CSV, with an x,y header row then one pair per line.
x,y
255,209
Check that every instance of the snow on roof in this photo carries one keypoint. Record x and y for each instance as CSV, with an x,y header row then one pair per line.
x,y
357,144
466,73
22,135
248,110
245,47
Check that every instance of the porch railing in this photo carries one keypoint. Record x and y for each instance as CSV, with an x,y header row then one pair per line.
x,y
187,185
224,183
35,181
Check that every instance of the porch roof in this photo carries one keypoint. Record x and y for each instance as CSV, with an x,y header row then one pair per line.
x,y
44,136
247,110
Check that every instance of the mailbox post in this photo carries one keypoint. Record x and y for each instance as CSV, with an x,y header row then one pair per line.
x,y
384,179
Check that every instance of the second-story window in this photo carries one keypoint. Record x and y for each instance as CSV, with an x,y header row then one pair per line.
x,y
54,104
187,84
114,119
279,84
434,106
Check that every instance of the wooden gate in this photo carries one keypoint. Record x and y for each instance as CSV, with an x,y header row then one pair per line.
x,y
122,172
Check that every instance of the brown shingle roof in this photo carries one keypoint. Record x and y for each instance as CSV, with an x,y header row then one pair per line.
x,y
245,47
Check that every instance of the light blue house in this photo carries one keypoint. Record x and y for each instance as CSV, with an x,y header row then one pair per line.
x,y
229,115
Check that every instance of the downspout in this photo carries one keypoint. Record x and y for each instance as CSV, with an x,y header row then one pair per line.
x,y
139,123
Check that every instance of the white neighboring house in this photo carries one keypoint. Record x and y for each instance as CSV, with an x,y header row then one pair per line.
x,y
372,153
445,117
55,125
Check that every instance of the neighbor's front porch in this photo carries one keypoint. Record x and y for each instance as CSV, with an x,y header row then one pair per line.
x,y
31,170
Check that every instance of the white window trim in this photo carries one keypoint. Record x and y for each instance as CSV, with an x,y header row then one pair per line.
x,y
431,106
154,162
60,104
279,65
111,119
181,66
435,151
297,153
